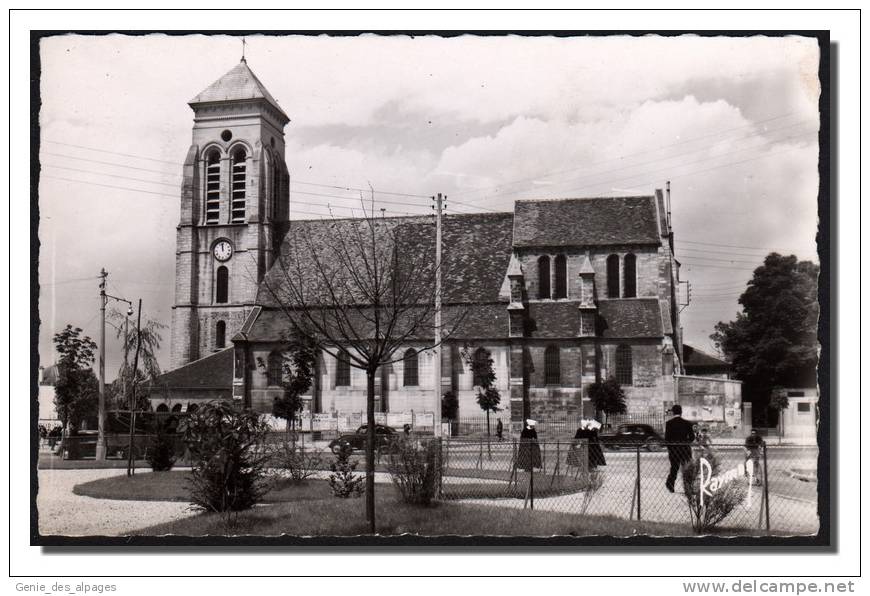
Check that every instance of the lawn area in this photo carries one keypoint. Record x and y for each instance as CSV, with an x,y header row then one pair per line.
x,y
346,517
172,486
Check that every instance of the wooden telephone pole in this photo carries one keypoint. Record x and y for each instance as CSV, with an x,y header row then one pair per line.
x,y
436,354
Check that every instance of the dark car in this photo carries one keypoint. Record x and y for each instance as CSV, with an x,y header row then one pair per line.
x,y
631,435
385,437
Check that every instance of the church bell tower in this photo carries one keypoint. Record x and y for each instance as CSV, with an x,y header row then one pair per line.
x,y
234,198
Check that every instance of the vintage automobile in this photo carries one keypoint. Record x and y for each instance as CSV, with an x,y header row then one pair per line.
x,y
630,436
385,438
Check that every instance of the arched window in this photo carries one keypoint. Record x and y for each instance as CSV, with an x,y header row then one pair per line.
x,y
222,284
560,264
220,334
629,284
237,204
162,408
213,187
613,276
411,377
176,408
342,372
624,367
543,277
480,366
275,369
552,366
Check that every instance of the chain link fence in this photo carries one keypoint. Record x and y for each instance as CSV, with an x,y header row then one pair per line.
x,y
719,489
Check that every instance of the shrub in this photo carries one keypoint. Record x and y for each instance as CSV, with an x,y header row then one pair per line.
x,y
416,470
296,461
227,457
161,455
343,481
720,503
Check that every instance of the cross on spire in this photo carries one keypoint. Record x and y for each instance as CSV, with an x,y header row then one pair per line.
x,y
243,49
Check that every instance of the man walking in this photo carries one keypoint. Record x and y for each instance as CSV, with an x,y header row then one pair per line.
x,y
678,436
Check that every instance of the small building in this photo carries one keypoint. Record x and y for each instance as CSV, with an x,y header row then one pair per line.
x,y
701,364
799,421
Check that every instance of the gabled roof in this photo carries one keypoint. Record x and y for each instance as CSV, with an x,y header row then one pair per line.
x,y
586,222
212,372
695,358
238,84
476,250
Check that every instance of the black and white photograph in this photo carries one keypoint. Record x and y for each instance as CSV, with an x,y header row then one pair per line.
x,y
470,285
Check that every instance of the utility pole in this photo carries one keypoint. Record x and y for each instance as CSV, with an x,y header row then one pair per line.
x,y
131,459
101,408
436,360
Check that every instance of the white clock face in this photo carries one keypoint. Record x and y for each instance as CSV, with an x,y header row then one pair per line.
x,y
223,250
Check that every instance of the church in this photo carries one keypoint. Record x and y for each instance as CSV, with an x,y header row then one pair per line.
x,y
559,293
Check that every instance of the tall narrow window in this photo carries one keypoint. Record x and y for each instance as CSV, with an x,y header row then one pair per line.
x,y
220,334
213,187
342,372
543,277
237,205
560,264
552,366
624,366
275,369
480,366
410,377
629,284
613,276
222,283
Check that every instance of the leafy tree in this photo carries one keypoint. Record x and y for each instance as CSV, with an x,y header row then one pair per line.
x,y
488,397
449,405
298,372
76,394
608,396
148,368
774,340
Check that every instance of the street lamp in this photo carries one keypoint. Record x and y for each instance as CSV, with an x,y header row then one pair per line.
x,y
101,414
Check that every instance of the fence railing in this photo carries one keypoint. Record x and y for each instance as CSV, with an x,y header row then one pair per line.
x,y
719,489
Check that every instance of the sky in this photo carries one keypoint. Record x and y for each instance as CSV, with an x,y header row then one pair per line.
x,y
732,123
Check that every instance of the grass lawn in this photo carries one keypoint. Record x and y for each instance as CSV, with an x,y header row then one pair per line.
x,y
172,486
346,517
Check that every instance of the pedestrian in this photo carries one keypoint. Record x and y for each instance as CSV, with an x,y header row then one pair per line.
x,y
499,431
529,456
705,443
753,446
407,430
588,430
678,437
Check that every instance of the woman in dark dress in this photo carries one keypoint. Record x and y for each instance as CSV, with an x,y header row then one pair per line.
x,y
530,452
588,430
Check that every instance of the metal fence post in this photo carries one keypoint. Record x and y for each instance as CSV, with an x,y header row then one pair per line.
x,y
531,480
766,495
638,483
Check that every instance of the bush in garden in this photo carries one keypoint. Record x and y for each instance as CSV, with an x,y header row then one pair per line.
x,y
296,461
161,454
724,497
415,469
226,447
343,480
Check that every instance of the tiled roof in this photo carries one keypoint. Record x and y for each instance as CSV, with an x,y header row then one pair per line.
x,y
553,319
239,83
695,358
476,250
630,317
586,222
212,372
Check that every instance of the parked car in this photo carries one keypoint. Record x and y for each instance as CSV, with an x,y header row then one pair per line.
x,y
385,436
632,435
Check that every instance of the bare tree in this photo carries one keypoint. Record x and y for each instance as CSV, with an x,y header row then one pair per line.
x,y
362,289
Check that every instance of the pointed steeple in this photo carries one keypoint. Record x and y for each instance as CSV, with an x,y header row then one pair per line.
x,y
240,83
